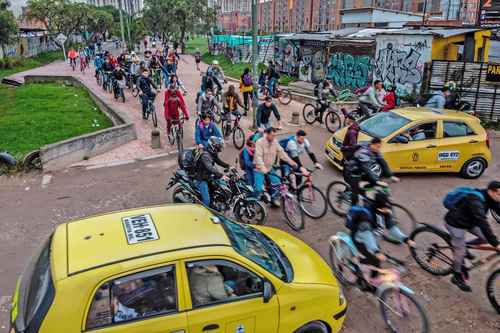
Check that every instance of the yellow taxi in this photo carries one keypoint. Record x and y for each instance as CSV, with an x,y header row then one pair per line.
x,y
423,140
175,269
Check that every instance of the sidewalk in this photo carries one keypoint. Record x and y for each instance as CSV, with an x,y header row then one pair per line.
x,y
141,148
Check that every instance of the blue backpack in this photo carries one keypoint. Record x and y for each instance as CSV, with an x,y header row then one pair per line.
x,y
355,210
452,199
284,142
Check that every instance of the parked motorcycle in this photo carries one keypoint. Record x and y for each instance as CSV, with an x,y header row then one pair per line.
x,y
234,194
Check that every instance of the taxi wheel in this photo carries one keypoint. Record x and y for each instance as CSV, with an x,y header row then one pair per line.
x,y
313,327
473,168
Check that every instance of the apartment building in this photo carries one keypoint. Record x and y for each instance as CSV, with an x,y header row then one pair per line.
x,y
132,7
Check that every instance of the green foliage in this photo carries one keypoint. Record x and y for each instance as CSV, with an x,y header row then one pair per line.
x,y
38,114
194,43
8,28
13,65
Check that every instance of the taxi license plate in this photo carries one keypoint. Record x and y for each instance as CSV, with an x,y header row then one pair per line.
x,y
139,228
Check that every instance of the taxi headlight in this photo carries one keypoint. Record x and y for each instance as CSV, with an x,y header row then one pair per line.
x,y
341,296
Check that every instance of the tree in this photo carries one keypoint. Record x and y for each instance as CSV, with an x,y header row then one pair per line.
x,y
8,27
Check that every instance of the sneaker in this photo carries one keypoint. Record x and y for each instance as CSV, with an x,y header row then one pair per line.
x,y
459,281
465,273
276,203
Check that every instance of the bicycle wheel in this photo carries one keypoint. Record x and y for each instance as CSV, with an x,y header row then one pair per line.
x,y
433,251
154,118
135,91
250,212
32,161
171,135
294,215
404,219
402,312
309,113
286,97
339,197
341,258
238,138
332,121
226,128
312,201
99,80
493,290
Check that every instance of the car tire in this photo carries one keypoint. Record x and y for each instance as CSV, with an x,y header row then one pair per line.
x,y
473,168
313,327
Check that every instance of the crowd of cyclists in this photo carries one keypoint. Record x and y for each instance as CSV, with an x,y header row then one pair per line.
x,y
266,160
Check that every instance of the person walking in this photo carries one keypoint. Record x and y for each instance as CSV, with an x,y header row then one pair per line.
x,y
246,88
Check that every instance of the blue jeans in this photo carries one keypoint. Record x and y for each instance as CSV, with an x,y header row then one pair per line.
x,y
249,176
205,194
259,181
272,87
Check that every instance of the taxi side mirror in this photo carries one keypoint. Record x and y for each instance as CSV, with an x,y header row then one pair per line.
x,y
400,139
267,292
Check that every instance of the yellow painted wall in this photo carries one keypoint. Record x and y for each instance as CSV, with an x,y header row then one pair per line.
x,y
444,48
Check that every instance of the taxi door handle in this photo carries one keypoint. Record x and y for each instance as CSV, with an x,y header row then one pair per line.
x,y
473,141
210,327
431,146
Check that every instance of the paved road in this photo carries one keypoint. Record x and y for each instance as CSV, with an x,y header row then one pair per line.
x,y
33,204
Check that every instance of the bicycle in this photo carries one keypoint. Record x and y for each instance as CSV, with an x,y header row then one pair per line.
x,y
176,133
119,87
99,78
400,309
72,63
157,76
312,200
290,204
235,129
284,96
332,120
151,110
30,161
106,82
434,254
339,199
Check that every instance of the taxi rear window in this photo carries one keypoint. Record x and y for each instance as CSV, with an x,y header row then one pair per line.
x,y
383,124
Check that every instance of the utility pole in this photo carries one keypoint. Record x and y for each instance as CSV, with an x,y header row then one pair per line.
x,y
129,22
121,20
254,62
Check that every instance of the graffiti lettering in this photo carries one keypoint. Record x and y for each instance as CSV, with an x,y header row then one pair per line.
x,y
348,71
398,66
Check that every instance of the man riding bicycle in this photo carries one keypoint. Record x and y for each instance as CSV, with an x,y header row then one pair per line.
x,y
147,94
107,69
295,146
217,73
206,103
467,212
322,91
173,102
230,100
369,101
119,76
205,129
361,168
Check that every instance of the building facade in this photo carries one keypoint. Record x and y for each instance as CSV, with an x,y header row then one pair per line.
x,y
132,7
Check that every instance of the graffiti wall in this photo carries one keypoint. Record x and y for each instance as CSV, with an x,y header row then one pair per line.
x,y
350,64
286,56
400,60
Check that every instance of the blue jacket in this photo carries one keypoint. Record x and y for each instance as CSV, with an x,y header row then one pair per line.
x,y
247,160
98,62
203,133
437,101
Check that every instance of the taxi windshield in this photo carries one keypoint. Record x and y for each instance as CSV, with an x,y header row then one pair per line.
x,y
256,246
383,124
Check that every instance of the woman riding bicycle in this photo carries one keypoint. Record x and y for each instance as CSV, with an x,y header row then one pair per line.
x,y
173,102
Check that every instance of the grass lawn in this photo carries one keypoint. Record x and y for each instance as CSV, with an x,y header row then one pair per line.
x,y
197,42
236,70
29,63
38,114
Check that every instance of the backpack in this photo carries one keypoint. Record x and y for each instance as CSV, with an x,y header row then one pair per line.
x,y
284,142
452,199
422,100
189,159
350,223
247,80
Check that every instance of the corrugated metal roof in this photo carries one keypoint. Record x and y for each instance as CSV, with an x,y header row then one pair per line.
x,y
451,32
373,32
436,32
310,36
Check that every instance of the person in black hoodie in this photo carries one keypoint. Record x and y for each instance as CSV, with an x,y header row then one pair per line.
x,y
470,215
205,167
148,90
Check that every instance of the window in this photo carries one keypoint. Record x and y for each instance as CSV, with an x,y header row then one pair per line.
x,y
455,129
134,297
422,132
383,124
219,281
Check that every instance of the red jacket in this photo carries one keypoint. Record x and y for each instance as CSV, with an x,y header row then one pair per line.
x,y
173,103
390,101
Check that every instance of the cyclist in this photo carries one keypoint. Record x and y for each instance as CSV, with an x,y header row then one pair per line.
x,y
264,112
206,103
350,143
118,76
205,169
197,59
438,99
135,68
148,57
469,214
72,56
322,91
295,146
82,57
145,84
365,227
98,62
272,78
268,152
360,167
231,100
205,129
369,101
174,80
173,102
217,73
107,69
246,160
172,58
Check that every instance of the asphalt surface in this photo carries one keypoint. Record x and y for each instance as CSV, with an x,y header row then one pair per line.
x,y
33,204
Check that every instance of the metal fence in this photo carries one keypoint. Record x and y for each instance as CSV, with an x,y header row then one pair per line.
x,y
470,78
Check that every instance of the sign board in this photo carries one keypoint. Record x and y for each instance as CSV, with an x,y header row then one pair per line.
x,y
493,73
61,39
489,16
140,228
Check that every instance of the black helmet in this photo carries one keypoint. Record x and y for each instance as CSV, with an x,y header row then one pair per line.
x,y
215,145
381,200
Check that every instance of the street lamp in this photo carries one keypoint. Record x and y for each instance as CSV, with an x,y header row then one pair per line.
x,y
254,62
